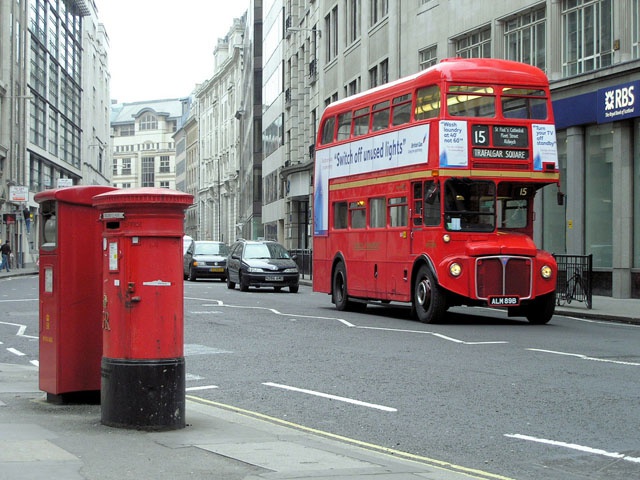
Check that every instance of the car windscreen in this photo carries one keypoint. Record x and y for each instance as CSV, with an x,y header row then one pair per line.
x,y
268,250
211,249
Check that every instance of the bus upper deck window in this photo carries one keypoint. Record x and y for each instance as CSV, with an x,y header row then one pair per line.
x,y
327,130
361,122
380,117
401,110
471,101
344,126
524,103
427,103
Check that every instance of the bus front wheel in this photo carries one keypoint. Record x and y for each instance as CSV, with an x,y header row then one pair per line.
x,y
540,311
429,303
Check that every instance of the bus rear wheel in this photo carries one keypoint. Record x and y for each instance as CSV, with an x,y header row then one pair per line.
x,y
339,288
428,303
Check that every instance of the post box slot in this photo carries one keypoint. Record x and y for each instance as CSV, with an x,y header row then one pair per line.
x,y
113,225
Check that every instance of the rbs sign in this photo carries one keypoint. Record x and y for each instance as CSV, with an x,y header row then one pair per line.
x,y
618,102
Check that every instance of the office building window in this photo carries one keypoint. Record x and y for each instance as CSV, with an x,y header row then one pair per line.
x,y
427,57
148,171
599,194
524,38
378,9
148,122
635,27
354,20
331,37
587,32
474,45
165,165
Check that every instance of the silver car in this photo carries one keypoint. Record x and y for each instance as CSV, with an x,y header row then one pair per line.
x,y
204,259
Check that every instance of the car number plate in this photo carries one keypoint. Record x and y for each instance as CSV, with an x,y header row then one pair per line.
x,y
217,270
504,301
273,278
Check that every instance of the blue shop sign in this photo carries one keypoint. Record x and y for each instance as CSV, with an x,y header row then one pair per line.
x,y
618,102
605,105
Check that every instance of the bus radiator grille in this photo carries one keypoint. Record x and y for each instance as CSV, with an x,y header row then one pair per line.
x,y
503,275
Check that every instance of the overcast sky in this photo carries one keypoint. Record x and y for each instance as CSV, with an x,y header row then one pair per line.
x,y
161,48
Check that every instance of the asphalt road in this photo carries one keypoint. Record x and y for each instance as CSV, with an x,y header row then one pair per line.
x,y
558,401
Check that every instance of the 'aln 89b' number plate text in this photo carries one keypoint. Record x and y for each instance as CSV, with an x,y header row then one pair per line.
x,y
504,301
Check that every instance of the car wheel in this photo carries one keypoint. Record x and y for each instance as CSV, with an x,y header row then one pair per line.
x,y
192,275
294,288
230,285
244,285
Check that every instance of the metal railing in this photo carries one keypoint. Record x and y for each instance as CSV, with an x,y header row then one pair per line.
x,y
575,273
304,259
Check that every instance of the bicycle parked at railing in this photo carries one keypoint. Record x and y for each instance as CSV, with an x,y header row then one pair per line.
x,y
575,289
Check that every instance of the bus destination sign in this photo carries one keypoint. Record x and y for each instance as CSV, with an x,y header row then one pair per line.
x,y
510,136
501,153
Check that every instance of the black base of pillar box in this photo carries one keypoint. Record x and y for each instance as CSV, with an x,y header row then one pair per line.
x,y
86,397
143,394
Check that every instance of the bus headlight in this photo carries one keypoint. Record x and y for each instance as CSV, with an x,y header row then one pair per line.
x,y
546,271
455,269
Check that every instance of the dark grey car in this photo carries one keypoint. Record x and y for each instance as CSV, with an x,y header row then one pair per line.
x,y
261,264
205,259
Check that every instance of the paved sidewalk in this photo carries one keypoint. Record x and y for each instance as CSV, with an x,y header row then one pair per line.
x,y
39,441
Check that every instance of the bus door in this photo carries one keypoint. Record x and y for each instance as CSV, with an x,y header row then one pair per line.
x,y
424,231
395,270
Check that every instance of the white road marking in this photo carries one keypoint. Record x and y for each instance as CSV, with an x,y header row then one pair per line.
x,y
35,362
584,357
331,397
21,329
573,446
202,387
16,352
220,303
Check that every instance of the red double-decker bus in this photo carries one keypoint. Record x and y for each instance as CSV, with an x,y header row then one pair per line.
x,y
424,192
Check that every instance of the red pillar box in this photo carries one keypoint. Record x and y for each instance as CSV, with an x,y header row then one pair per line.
x,y
70,310
143,369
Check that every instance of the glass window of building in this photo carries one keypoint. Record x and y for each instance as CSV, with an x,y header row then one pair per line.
x,y
554,215
148,122
427,57
148,171
636,195
587,33
354,20
635,30
474,45
378,9
599,194
524,38
331,36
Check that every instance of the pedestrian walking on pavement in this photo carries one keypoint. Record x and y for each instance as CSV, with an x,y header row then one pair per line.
x,y
6,253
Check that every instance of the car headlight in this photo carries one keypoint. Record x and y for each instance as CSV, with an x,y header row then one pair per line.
x,y
455,269
291,270
254,270
195,263
546,271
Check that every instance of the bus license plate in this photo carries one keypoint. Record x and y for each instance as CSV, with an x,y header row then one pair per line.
x,y
504,301
273,278
216,270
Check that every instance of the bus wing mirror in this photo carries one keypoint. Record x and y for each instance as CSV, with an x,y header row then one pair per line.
x,y
432,194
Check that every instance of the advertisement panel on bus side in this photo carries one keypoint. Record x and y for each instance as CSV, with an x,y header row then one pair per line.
x,y
401,148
